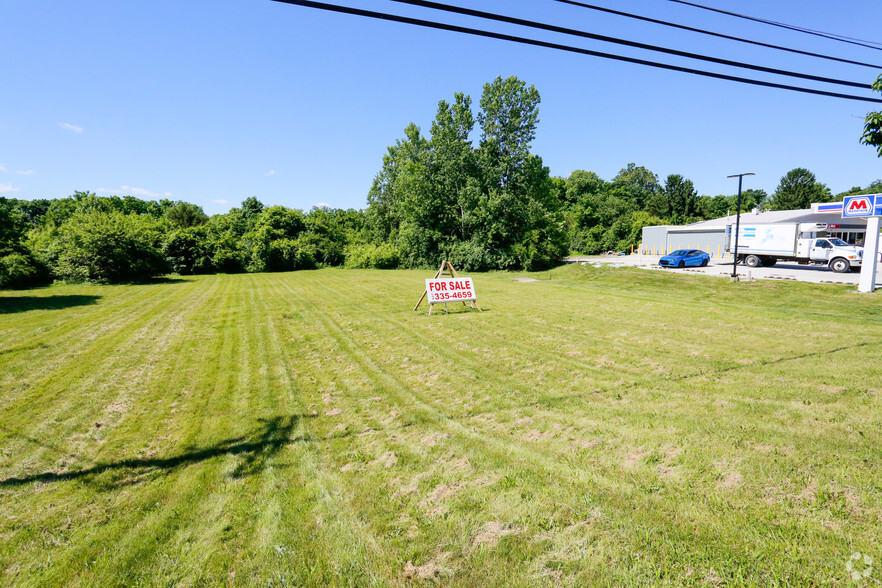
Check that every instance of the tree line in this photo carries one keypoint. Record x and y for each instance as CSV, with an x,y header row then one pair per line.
x,y
490,205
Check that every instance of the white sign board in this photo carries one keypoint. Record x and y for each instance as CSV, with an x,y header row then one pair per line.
x,y
450,290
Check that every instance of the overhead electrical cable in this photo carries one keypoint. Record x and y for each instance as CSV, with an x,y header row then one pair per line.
x,y
604,38
538,43
832,36
718,35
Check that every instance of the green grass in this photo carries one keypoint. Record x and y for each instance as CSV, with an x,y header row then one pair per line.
x,y
594,427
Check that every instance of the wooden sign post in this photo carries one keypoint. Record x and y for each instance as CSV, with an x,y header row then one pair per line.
x,y
453,289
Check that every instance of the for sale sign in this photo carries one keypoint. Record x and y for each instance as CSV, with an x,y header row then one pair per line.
x,y
450,290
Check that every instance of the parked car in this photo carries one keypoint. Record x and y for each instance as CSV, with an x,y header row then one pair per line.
x,y
685,258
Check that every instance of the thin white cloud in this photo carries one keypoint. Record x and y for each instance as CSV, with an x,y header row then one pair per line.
x,y
322,205
27,172
70,127
271,172
220,201
6,188
132,191
144,192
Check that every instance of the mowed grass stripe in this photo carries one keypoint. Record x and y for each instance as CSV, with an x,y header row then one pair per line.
x,y
76,389
478,337
55,337
477,444
85,555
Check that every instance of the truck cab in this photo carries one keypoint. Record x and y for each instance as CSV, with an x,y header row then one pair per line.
x,y
832,251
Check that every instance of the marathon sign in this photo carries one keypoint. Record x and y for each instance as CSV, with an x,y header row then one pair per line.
x,y
450,290
865,205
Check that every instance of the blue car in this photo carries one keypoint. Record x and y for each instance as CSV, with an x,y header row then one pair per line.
x,y
685,258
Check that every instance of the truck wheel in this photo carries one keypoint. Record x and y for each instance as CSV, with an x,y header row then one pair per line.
x,y
840,266
752,261
769,261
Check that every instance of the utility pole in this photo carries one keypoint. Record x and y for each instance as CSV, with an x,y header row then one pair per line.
x,y
737,223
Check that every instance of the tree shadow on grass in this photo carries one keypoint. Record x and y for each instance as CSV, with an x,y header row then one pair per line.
x,y
255,450
13,304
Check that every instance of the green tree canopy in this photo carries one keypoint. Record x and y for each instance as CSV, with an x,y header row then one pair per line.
x,y
94,245
184,214
493,206
677,201
638,184
798,189
873,124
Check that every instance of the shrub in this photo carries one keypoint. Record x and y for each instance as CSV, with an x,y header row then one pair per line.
x,y
19,270
370,255
105,247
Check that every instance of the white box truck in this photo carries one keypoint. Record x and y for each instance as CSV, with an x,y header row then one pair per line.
x,y
805,243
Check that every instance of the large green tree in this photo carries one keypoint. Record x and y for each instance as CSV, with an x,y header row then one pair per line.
x,y
798,189
677,201
637,184
519,223
873,124
492,206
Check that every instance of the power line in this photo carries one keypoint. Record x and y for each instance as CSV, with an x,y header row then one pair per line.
x,y
718,35
832,36
538,43
604,38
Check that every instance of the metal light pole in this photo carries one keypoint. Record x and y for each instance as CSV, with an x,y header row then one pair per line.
x,y
737,222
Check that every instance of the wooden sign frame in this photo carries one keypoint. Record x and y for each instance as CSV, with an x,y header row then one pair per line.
x,y
452,273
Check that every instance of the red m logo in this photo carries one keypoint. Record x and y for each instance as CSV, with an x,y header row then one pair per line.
x,y
859,204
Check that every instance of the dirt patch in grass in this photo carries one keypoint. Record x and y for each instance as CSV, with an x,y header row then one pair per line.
x,y
431,569
537,436
729,477
433,439
119,407
634,456
437,497
387,460
493,532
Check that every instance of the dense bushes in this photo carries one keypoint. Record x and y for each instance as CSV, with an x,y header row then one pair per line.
x,y
18,268
91,238
104,247
372,255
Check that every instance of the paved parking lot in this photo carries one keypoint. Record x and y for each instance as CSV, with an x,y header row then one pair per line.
x,y
723,268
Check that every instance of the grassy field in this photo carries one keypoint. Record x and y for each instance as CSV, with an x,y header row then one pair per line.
x,y
593,427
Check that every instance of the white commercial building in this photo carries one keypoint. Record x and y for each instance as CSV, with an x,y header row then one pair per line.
x,y
710,236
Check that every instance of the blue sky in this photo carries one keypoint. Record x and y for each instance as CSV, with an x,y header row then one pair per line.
x,y
212,102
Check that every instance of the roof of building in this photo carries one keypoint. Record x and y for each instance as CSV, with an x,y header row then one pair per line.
x,y
769,217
